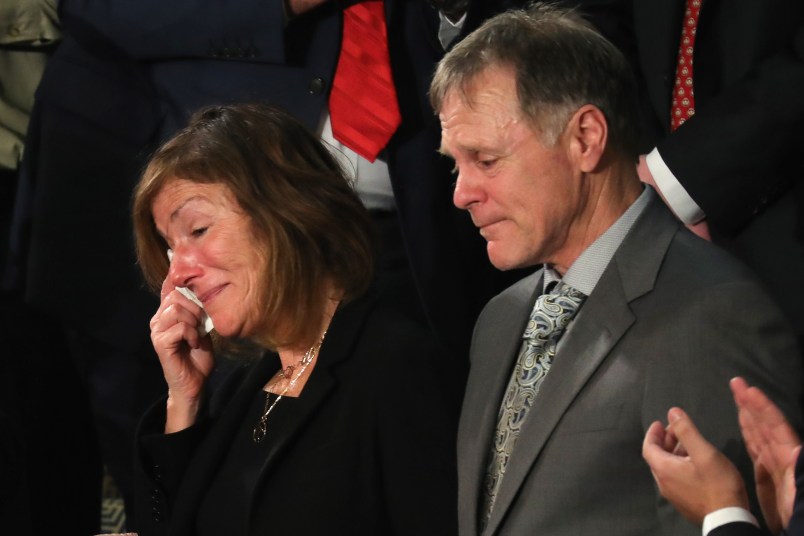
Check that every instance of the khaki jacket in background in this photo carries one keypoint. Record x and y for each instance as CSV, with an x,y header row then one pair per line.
x,y
28,30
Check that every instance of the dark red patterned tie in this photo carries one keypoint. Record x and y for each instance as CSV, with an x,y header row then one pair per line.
x,y
362,104
683,106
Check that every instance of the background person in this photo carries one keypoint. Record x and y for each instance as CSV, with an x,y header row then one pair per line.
x,y
719,87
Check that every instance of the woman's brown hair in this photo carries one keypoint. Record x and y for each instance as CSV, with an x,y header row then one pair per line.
x,y
312,227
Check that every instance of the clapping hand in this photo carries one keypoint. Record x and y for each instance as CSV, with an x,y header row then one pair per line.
x,y
690,472
774,447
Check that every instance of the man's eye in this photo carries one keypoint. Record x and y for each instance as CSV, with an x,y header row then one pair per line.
x,y
487,164
199,231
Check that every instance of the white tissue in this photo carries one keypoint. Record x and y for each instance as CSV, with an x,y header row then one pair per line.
x,y
206,322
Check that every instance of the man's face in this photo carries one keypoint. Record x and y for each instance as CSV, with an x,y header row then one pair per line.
x,y
521,194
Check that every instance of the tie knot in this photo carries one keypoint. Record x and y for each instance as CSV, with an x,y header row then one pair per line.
x,y
563,289
553,312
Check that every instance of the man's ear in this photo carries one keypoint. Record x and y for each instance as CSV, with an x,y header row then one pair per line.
x,y
588,131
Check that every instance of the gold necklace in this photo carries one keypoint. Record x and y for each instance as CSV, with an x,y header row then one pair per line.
x,y
260,430
287,372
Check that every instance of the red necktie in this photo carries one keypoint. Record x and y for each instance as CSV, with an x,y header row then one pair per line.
x,y
362,104
683,106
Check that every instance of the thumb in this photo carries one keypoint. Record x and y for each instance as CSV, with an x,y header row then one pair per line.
x,y
687,433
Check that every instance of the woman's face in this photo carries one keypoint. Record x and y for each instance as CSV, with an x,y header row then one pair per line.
x,y
215,252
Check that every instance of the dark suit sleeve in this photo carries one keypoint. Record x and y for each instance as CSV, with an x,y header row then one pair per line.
x,y
161,463
736,529
740,151
252,30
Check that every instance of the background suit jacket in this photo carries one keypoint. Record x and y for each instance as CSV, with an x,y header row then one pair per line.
x,y
671,320
738,157
367,449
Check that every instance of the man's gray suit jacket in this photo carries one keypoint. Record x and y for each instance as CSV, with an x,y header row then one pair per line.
x,y
670,321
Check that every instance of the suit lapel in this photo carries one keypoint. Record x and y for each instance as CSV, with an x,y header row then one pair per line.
x,y
288,424
494,351
601,323
341,338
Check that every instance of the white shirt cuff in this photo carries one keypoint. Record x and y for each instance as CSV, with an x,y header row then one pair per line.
x,y
674,194
731,514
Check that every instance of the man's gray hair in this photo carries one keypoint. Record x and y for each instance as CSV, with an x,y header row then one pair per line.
x,y
560,63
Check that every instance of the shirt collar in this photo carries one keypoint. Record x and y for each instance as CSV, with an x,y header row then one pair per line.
x,y
585,272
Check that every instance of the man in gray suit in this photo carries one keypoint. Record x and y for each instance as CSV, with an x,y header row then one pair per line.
x,y
537,111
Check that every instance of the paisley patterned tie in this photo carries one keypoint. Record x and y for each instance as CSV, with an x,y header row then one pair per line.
x,y
549,319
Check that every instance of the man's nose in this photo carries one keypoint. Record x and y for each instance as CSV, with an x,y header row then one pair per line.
x,y
467,191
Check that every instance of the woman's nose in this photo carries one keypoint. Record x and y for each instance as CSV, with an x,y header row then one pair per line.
x,y
183,267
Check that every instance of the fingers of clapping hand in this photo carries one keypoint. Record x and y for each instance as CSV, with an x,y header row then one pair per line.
x,y
746,416
673,471
764,426
653,445
661,447
690,442
689,471
774,447
767,417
